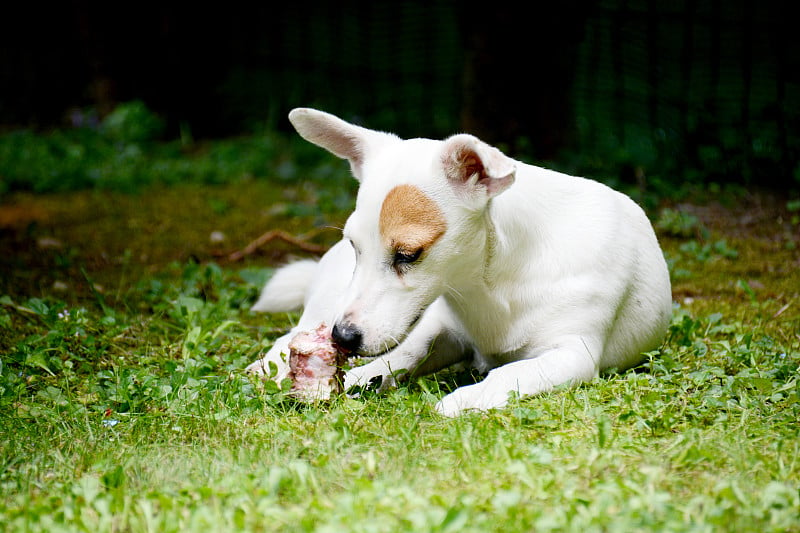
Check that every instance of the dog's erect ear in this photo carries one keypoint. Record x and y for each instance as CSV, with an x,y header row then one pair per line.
x,y
341,138
471,163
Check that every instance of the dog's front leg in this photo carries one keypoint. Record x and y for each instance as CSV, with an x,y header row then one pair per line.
x,y
572,362
436,342
278,355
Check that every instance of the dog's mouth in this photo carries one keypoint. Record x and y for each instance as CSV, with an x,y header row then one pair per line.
x,y
388,346
413,323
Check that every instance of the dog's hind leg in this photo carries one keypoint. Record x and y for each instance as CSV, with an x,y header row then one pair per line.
x,y
572,361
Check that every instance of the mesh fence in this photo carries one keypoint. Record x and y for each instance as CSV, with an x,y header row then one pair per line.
x,y
713,86
708,89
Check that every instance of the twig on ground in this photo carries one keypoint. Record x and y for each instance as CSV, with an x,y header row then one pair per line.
x,y
277,234
781,310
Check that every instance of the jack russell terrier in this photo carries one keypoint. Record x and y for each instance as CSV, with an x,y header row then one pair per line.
x,y
457,253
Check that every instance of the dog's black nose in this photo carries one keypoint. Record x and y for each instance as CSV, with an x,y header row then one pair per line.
x,y
347,337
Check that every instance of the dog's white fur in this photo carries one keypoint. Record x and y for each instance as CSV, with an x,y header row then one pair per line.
x,y
457,252
318,286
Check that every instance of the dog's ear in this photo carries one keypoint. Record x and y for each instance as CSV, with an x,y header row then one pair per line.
x,y
471,163
341,138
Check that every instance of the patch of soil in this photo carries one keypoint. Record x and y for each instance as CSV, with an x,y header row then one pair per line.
x,y
758,215
764,277
60,244
57,244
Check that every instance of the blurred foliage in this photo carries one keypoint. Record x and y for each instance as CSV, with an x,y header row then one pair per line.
x,y
676,95
132,122
127,151
124,152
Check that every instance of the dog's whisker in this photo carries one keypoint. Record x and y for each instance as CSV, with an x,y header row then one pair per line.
x,y
388,346
458,298
455,291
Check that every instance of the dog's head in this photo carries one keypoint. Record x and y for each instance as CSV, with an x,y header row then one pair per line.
x,y
419,229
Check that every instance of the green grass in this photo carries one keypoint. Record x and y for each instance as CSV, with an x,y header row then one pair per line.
x,y
123,405
166,434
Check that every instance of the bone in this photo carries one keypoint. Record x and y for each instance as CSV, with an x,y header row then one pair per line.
x,y
315,365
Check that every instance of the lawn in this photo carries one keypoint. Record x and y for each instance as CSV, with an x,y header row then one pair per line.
x,y
124,331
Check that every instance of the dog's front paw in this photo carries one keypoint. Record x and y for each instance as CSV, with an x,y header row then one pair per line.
x,y
367,376
471,398
277,370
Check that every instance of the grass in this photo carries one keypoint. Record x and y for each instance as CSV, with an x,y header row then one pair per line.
x,y
123,406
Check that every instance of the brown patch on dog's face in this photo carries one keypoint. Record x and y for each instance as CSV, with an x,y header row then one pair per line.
x,y
410,222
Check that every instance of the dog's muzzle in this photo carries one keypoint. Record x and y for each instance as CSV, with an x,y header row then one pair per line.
x,y
347,338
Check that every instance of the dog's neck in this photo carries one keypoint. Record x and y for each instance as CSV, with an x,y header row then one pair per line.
x,y
490,247
499,249
479,260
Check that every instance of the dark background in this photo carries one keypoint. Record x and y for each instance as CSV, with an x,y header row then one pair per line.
x,y
705,91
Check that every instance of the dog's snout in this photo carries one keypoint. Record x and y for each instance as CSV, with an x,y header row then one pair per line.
x,y
347,337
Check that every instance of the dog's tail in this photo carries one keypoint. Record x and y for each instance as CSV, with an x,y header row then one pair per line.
x,y
286,289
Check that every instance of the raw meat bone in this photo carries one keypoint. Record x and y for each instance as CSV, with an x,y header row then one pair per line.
x,y
315,365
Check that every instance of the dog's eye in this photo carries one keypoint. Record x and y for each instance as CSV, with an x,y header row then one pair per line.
x,y
403,257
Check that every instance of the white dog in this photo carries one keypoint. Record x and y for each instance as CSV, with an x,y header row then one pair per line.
x,y
544,278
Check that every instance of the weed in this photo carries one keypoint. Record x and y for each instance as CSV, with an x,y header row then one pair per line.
x,y
678,223
121,154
